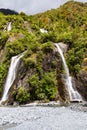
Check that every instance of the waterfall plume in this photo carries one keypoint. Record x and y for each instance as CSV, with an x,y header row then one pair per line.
x,y
15,60
74,95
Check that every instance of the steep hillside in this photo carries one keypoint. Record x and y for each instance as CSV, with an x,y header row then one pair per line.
x,y
39,73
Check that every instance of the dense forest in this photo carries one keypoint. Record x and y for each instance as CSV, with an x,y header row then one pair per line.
x,y
40,67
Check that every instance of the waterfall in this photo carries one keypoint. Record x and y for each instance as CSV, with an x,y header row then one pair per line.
x,y
42,30
74,95
9,27
11,76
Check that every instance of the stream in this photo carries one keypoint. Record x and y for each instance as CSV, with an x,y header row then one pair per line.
x,y
73,117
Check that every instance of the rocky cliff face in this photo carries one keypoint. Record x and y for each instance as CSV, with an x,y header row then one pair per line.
x,y
82,79
46,63
32,78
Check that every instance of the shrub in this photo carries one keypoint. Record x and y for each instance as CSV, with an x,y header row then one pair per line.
x,y
22,95
43,89
75,59
47,47
34,84
3,74
49,85
29,62
14,48
3,39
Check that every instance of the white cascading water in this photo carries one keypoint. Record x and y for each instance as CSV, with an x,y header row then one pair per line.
x,y
42,30
74,95
9,27
11,76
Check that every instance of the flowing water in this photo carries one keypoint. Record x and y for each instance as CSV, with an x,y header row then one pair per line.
x,y
42,30
9,27
74,95
11,76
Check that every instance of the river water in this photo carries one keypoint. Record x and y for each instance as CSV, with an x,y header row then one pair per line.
x,y
73,117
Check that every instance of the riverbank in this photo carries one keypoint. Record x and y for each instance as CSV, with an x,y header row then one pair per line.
x,y
73,117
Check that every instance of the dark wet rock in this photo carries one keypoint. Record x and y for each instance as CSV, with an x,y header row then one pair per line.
x,y
81,83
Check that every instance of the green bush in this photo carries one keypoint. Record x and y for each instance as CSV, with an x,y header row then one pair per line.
x,y
75,59
22,95
3,74
34,85
3,39
29,63
49,84
14,48
47,47
43,89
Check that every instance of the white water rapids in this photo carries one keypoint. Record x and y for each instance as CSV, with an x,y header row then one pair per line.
x,y
11,76
74,95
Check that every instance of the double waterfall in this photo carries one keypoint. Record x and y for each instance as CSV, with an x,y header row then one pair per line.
x,y
74,95
11,76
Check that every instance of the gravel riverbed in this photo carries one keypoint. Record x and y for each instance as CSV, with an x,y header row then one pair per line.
x,y
73,117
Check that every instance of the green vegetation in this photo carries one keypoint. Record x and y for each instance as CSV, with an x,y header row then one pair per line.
x,y
44,88
66,24
3,73
22,95
3,39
